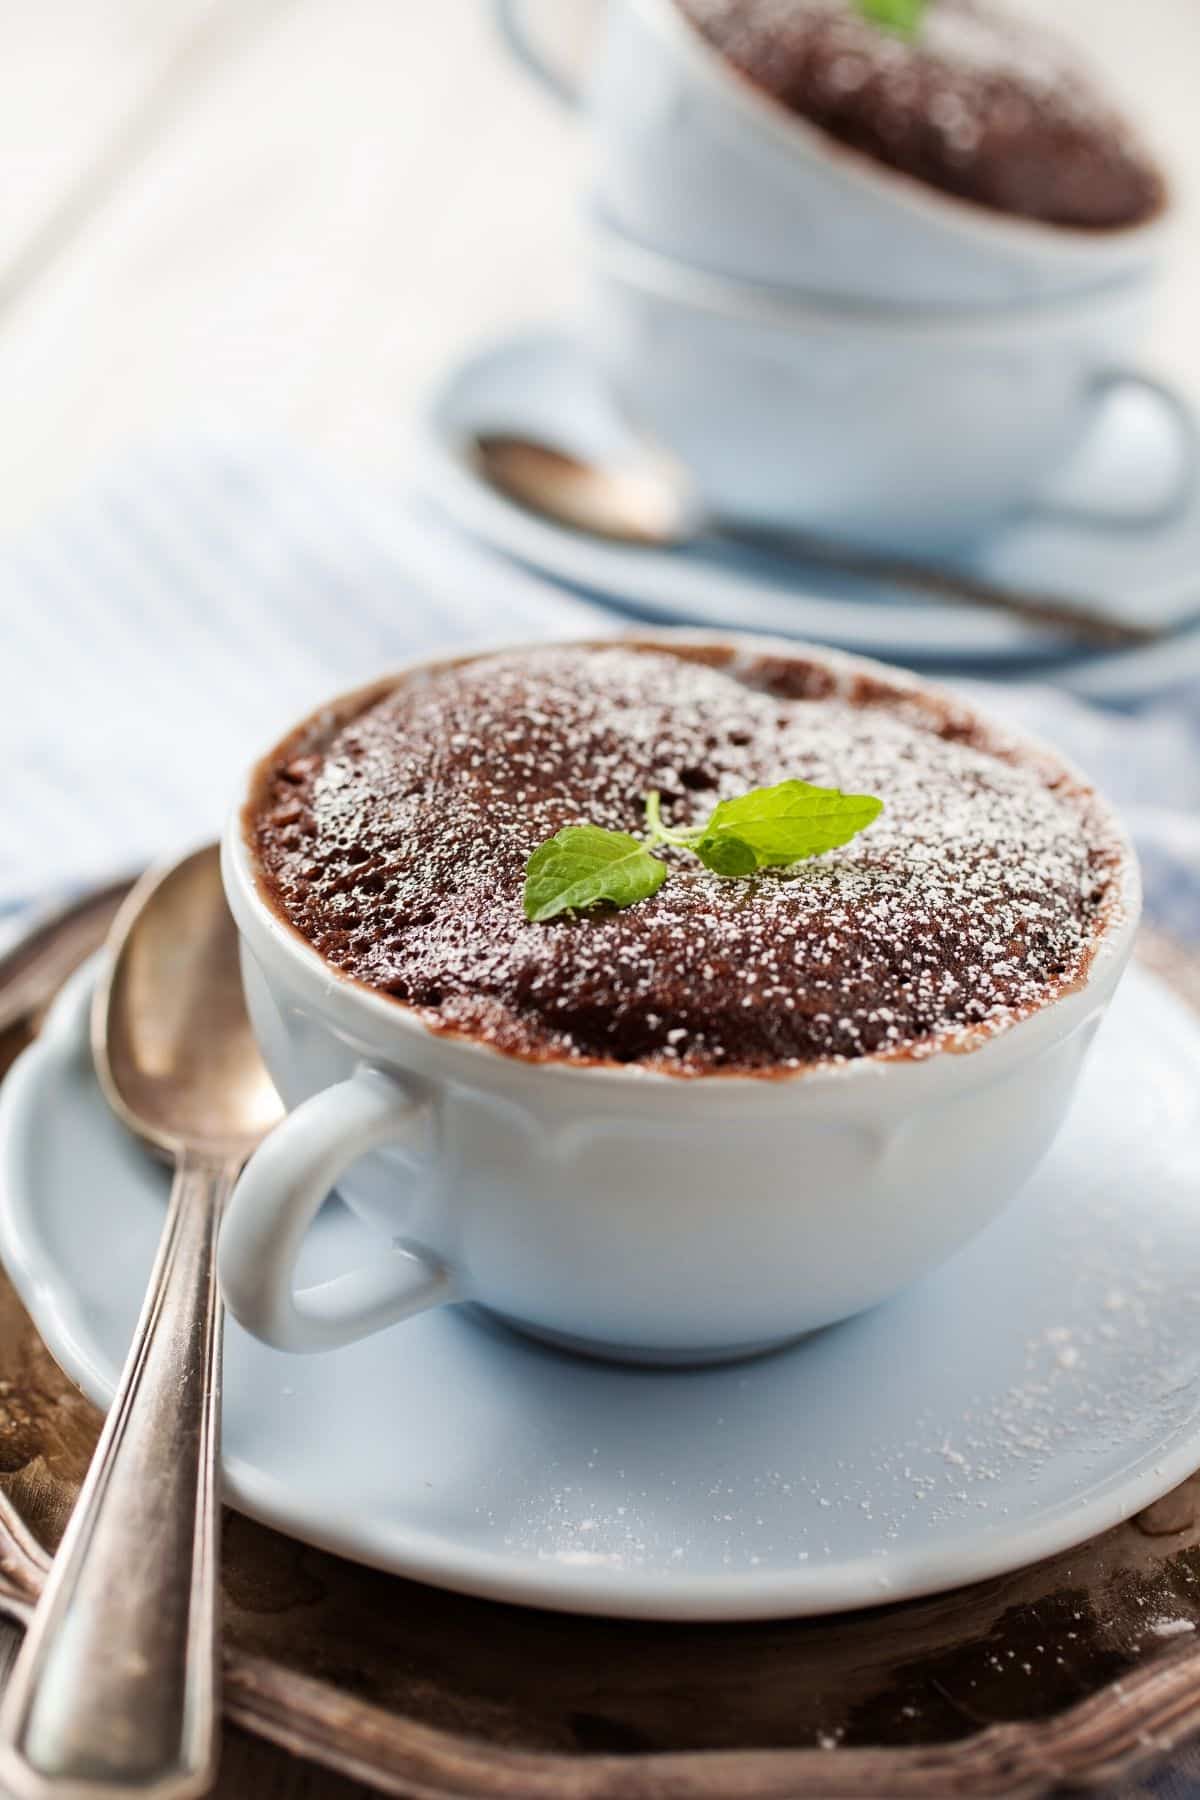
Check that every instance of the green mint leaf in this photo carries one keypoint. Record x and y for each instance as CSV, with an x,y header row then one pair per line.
x,y
727,856
901,16
780,825
583,865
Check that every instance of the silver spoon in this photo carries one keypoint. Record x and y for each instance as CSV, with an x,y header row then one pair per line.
x,y
649,501
115,1689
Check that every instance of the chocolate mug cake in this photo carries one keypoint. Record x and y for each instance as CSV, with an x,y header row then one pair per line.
x,y
973,101
732,1104
393,835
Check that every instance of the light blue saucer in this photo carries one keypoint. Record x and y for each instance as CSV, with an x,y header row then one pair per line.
x,y
539,383
1038,1389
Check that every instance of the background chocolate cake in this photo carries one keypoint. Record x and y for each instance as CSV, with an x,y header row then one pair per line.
x,y
975,101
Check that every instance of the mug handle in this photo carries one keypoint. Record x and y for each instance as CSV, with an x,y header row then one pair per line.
x,y
281,1190
1182,419
513,28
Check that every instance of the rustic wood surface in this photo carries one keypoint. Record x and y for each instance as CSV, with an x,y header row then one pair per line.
x,y
1068,1673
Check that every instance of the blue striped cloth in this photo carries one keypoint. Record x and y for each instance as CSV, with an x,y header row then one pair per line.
x,y
174,619
171,621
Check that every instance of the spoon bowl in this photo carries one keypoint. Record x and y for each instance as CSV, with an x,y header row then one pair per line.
x,y
637,502
172,992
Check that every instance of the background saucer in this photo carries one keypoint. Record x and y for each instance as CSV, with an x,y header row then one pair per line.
x,y
539,382
1039,1388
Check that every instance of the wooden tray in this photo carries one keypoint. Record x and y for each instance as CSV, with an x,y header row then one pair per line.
x,y
1069,1673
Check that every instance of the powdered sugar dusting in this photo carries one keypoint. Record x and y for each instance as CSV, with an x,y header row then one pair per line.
x,y
398,848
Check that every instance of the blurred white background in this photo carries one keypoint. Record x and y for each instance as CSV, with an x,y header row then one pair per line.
x,y
291,214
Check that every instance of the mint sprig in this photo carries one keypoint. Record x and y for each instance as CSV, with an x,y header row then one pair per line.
x,y
901,16
768,828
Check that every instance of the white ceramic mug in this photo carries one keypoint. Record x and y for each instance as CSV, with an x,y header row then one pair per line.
x,y
912,432
625,1212
695,162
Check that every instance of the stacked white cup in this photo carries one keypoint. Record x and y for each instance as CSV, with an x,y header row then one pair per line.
x,y
829,345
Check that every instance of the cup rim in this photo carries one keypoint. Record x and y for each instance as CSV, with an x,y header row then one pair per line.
x,y
1072,245
617,256
964,1052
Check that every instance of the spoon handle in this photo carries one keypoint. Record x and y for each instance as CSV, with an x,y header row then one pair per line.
x,y
115,1689
1073,619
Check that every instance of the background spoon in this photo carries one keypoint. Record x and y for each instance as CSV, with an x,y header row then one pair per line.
x,y
114,1690
649,500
